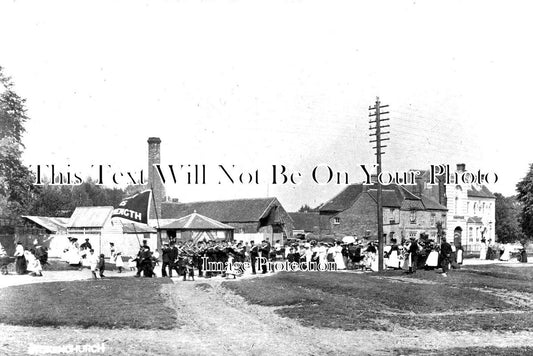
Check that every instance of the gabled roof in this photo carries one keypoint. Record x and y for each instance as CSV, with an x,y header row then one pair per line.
x,y
227,211
431,204
481,192
196,221
344,199
393,196
90,216
51,224
310,222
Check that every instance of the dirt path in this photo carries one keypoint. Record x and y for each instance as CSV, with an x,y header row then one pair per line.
x,y
214,321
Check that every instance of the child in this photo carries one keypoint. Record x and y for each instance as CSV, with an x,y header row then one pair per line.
x,y
101,265
93,262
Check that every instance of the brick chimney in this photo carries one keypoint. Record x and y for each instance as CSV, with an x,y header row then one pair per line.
x,y
154,182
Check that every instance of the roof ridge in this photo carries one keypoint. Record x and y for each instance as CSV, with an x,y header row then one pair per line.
x,y
216,201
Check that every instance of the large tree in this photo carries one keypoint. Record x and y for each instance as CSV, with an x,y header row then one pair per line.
x,y
16,188
525,197
508,227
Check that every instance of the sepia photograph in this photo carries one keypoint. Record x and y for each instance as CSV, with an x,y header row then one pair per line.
x,y
231,177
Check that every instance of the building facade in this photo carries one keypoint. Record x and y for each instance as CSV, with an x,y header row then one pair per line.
x,y
471,209
353,212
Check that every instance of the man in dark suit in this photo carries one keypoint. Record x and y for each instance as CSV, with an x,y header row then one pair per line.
x,y
265,252
166,260
446,254
254,254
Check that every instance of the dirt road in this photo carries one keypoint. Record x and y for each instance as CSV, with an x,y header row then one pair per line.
x,y
214,321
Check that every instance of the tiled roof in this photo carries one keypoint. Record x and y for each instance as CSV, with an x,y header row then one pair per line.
x,y
431,204
227,211
481,192
394,196
344,199
90,216
310,222
390,198
196,221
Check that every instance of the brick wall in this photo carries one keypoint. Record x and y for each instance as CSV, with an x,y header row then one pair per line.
x,y
154,157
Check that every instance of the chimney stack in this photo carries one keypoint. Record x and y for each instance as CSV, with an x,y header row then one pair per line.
x,y
461,167
154,181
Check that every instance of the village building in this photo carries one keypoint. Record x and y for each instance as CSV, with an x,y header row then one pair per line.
x,y
96,224
471,209
253,219
353,212
197,228
309,224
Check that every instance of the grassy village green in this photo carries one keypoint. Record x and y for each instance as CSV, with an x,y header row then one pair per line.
x,y
109,303
468,351
474,298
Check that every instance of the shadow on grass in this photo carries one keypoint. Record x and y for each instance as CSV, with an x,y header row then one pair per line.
x,y
109,303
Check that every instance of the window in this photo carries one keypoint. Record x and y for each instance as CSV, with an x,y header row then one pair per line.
x,y
432,219
336,220
468,207
470,238
412,217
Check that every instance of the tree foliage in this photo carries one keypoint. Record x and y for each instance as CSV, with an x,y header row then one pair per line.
x,y
306,209
525,197
56,200
507,213
16,188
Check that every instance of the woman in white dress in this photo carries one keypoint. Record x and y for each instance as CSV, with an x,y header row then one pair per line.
x,y
74,257
483,250
119,263
393,254
34,266
322,253
506,255
338,258
433,258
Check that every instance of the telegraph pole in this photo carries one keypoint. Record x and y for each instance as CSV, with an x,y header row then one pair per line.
x,y
378,133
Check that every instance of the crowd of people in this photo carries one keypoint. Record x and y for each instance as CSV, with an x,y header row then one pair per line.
x,y
27,260
188,259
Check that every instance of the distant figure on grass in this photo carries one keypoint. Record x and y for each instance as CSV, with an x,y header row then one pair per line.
x,y
34,265
483,250
20,263
446,255
413,249
116,257
93,262
254,254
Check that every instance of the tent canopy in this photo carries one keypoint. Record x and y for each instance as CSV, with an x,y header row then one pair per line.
x,y
198,222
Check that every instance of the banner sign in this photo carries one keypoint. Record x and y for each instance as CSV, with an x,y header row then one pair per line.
x,y
134,208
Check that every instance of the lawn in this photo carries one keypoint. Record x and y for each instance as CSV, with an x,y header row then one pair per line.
x,y
109,303
462,302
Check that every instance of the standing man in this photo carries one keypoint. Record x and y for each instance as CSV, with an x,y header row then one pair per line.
x,y
446,255
265,252
166,260
413,250
254,254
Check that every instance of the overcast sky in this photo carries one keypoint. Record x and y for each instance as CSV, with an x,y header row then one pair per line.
x,y
256,83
